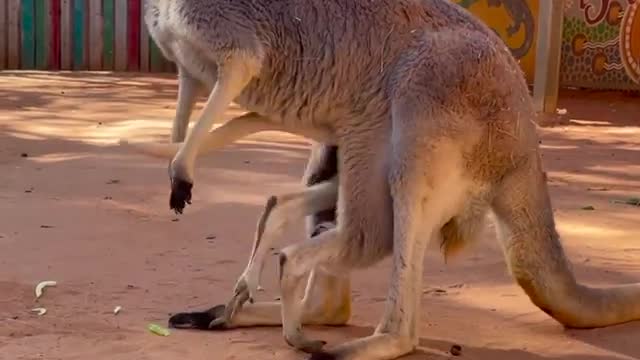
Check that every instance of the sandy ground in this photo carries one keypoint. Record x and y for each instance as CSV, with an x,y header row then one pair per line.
x,y
77,209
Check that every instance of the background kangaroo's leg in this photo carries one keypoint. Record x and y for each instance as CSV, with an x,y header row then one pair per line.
x,y
234,74
188,89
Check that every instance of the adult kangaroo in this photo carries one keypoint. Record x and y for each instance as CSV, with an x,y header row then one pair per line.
x,y
434,126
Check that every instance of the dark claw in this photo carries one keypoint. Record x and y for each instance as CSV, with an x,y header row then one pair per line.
x,y
322,355
180,195
197,320
320,228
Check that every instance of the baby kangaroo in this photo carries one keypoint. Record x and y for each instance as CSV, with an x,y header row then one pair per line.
x,y
434,127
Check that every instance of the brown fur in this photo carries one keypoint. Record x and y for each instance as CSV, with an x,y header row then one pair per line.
x,y
434,126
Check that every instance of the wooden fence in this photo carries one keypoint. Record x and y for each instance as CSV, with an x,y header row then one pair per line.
x,y
77,35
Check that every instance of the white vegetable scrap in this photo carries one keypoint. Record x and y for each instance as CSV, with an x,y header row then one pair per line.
x,y
40,287
40,311
117,310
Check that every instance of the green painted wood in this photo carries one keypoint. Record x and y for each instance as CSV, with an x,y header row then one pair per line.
x,y
27,17
108,13
156,58
144,42
66,39
79,35
42,28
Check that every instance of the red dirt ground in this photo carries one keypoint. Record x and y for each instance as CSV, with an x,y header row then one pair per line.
x,y
80,210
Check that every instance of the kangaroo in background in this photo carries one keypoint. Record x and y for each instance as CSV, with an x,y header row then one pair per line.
x,y
434,128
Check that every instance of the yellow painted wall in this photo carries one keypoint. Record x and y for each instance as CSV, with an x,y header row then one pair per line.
x,y
499,19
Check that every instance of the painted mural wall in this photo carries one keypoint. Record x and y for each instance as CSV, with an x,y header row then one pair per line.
x,y
515,21
601,44
600,40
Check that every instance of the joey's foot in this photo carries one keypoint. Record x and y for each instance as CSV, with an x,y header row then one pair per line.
x,y
180,194
322,227
323,355
200,320
305,345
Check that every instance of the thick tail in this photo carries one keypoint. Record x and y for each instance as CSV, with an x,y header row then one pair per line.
x,y
537,260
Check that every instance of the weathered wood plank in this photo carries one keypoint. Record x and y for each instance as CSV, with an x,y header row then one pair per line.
x,y
144,42
133,38
13,34
66,30
95,34
54,36
155,56
3,35
120,25
548,54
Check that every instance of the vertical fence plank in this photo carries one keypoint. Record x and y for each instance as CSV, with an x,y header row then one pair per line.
x,y
133,36
155,57
108,32
42,30
78,35
66,30
54,35
13,34
3,35
120,45
548,54
28,53
144,41
169,66
95,34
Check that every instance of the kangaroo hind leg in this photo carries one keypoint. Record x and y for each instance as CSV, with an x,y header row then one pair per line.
x,y
428,188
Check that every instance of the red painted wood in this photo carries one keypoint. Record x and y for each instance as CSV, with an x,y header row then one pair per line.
x,y
133,35
54,35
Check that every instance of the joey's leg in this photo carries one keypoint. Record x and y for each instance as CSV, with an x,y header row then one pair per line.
x,y
296,261
234,74
327,301
188,88
318,200
323,166
279,212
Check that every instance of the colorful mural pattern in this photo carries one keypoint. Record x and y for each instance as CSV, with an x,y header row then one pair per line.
x,y
601,44
514,21
630,41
